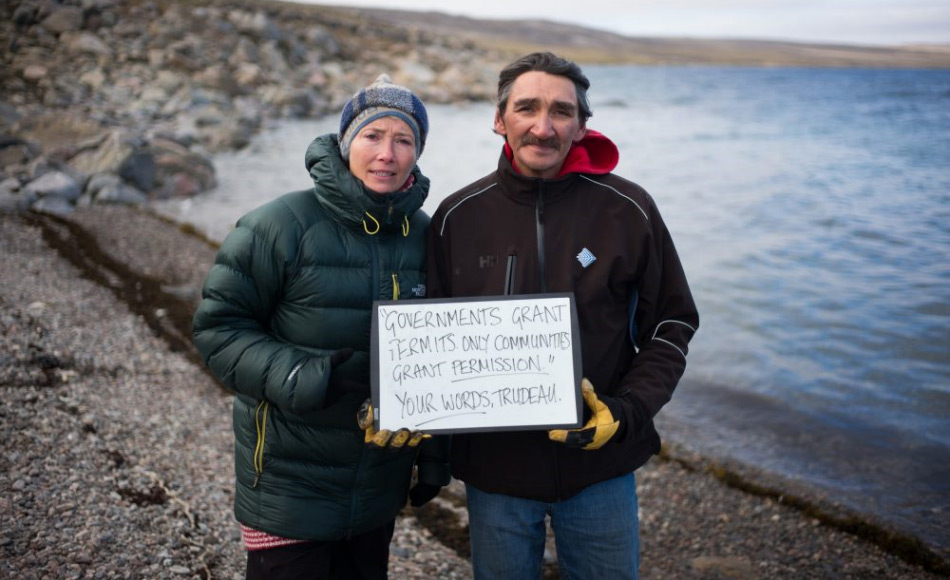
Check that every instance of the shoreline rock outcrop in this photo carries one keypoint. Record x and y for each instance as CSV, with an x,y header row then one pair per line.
x,y
109,102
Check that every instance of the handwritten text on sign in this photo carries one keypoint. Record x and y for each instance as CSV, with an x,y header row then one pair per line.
x,y
486,364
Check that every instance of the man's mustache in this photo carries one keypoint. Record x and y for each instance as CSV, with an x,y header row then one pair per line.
x,y
549,142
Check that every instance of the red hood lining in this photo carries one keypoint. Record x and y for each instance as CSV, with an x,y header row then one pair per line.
x,y
594,153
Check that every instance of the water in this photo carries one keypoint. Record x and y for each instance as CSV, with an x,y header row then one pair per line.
x,y
811,209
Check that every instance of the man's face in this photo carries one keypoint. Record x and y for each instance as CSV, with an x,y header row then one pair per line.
x,y
540,122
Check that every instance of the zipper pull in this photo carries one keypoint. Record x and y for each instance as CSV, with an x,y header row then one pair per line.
x,y
510,273
260,424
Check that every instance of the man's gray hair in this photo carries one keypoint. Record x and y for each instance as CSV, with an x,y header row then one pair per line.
x,y
550,63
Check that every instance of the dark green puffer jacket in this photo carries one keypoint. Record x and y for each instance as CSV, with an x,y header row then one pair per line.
x,y
292,283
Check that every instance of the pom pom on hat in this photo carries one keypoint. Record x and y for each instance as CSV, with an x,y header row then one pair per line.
x,y
381,99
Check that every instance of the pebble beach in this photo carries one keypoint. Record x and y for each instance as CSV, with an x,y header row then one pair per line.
x,y
117,449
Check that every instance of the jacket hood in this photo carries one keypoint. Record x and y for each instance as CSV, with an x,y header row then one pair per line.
x,y
349,200
593,154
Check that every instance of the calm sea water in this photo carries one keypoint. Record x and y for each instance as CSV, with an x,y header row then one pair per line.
x,y
811,209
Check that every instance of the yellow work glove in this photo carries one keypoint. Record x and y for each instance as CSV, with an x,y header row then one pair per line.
x,y
385,438
602,425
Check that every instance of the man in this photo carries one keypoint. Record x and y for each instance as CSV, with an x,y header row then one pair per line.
x,y
553,218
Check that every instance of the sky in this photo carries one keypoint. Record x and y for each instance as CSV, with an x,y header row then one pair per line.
x,y
863,22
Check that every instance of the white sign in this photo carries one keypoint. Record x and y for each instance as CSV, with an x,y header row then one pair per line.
x,y
485,364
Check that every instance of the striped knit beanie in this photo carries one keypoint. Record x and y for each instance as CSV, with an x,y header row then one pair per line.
x,y
380,99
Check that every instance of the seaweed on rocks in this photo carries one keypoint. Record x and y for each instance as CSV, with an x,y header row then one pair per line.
x,y
167,314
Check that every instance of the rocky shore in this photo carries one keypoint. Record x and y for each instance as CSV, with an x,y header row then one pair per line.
x,y
125,102
108,102
117,447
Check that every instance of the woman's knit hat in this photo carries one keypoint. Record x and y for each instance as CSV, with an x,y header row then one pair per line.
x,y
380,99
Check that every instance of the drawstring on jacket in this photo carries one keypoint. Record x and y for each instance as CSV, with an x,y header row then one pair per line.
x,y
405,225
375,221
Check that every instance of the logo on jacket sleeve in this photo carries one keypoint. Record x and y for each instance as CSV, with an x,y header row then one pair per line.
x,y
419,290
586,257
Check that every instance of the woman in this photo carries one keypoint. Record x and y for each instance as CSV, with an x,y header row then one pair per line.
x,y
285,323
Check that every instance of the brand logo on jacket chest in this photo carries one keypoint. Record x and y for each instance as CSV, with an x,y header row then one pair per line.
x,y
586,257
489,261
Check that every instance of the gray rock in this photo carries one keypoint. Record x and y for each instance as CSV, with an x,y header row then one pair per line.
x,y
10,186
54,184
138,169
8,113
99,181
109,154
273,60
245,52
248,74
53,204
249,111
120,193
219,78
414,74
179,185
11,202
86,42
15,154
256,24
169,81
24,16
63,19
180,171
34,72
320,38
93,79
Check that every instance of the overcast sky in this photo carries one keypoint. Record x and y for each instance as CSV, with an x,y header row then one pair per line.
x,y
843,21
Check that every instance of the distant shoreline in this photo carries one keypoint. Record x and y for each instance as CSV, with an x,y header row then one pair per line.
x,y
408,16
595,46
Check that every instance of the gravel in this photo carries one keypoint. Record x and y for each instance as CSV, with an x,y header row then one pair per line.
x,y
117,448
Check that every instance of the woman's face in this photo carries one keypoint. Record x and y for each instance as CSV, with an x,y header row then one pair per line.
x,y
383,154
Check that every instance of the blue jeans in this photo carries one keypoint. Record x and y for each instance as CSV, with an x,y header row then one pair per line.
x,y
596,533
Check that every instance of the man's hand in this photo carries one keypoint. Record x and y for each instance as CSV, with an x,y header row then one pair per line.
x,y
385,439
601,426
